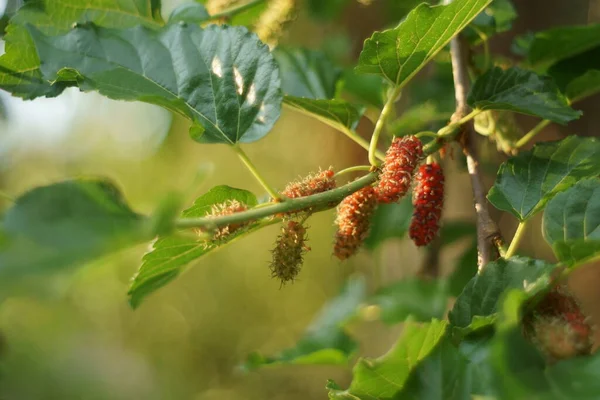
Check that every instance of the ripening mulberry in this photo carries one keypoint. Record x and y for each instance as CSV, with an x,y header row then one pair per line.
x,y
288,252
558,326
428,201
272,23
312,184
401,159
353,220
227,208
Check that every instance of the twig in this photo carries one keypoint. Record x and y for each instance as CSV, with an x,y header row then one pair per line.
x,y
488,234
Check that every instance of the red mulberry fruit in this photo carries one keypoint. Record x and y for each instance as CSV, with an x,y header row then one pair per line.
x,y
401,159
353,221
312,184
558,326
428,201
289,251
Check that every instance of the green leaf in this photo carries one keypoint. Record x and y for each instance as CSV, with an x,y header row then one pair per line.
x,y
579,76
364,89
170,254
390,221
521,91
571,223
193,13
464,270
496,18
481,297
336,113
19,66
306,73
222,78
325,341
386,376
445,366
476,349
67,223
399,53
325,10
421,299
560,43
525,183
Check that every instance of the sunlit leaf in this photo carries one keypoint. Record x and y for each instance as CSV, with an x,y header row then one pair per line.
x,y
386,376
521,91
170,255
67,223
527,181
19,66
222,78
399,53
572,222
325,341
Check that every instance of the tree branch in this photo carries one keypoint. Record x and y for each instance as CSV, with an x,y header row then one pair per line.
x,y
488,234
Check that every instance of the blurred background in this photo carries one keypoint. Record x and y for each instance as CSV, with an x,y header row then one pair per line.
x,y
73,335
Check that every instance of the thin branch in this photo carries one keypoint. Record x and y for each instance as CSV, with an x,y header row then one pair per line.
x,y
514,244
488,234
248,163
532,133
385,113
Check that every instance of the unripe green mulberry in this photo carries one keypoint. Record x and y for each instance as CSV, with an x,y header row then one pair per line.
x,y
312,184
227,208
289,252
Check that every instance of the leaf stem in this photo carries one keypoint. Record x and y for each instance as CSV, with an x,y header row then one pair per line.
x,y
242,155
514,244
454,125
236,10
385,113
532,133
317,202
353,169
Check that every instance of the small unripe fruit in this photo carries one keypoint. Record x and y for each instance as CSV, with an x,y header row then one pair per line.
x,y
312,184
353,221
428,202
227,208
401,160
288,252
273,21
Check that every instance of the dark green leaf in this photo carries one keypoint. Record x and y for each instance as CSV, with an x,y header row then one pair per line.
x,y
443,375
171,254
390,221
365,89
482,294
306,73
326,9
19,66
399,53
453,231
521,91
336,113
68,223
526,182
476,349
579,76
560,43
386,376
422,299
464,271
572,223
496,18
193,13
222,78
325,340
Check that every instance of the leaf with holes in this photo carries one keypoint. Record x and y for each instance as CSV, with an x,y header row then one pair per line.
x,y
571,223
386,376
526,182
222,78
19,66
336,113
399,53
521,91
306,73
170,254
325,341
68,223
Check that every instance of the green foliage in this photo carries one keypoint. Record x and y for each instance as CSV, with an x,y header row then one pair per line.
x,y
386,376
390,221
336,113
325,340
307,73
389,54
19,66
66,223
221,78
525,183
521,91
572,223
170,254
496,18
193,13
579,76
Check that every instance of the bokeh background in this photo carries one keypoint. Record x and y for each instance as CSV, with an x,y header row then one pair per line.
x,y
72,335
